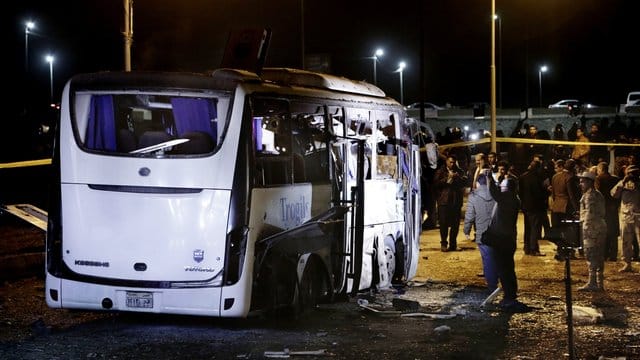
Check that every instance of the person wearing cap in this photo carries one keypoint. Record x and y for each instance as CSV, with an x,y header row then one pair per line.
x,y
628,191
594,230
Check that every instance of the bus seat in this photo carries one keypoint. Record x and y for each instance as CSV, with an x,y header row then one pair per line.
x,y
199,143
149,138
126,140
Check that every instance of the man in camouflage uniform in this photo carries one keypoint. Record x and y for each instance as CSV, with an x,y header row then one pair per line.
x,y
628,191
594,231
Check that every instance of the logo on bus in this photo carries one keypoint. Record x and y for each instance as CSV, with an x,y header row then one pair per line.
x,y
293,213
198,255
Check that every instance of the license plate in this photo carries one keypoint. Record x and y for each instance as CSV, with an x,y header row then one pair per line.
x,y
139,299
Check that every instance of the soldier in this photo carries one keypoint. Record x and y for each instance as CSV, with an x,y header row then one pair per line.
x,y
594,231
628,191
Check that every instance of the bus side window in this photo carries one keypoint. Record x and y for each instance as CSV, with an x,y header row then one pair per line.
x,y
387,159
272,142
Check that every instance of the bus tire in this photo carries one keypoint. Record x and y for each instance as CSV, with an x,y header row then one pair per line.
x,y
390,257
312,288
398,275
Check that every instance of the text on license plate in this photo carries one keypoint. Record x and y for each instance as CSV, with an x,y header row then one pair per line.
x,y
137,299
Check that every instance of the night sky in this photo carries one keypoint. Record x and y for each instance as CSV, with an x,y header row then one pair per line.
x,y
587,44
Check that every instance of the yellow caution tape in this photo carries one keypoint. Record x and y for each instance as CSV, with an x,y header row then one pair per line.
x,y
26,163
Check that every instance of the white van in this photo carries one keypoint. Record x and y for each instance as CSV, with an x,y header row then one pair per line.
x,y
633,99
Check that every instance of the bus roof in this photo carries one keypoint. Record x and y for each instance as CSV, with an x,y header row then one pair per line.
x,y
226,78
302,78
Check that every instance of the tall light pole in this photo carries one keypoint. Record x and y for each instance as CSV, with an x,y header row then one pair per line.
x,y
49,59
28,26
128,33
379,52
542,69
499,20
493,77
401,67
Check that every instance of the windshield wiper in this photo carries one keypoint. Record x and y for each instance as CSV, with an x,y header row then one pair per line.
x,y
160,146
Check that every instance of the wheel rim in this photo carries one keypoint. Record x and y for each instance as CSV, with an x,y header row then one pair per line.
x,y
390,255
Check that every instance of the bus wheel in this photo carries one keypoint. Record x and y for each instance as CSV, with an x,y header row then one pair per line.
x,y
390,256
312,286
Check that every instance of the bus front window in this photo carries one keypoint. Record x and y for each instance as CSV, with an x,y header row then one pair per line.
x,y
149,124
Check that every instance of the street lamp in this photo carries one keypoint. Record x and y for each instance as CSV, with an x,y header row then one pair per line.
x,y
28,26
49,59
542,69
379,52
499,20
493,78
401,67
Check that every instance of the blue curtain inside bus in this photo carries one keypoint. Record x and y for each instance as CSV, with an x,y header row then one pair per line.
x,y
101,129
195,115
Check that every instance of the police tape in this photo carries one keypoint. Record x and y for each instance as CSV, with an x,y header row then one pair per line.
x,y
26,163
532,142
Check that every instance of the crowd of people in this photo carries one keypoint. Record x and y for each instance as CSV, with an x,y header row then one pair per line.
x,y
567,195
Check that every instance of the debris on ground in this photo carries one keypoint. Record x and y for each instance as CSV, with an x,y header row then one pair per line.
x,y
286,353
586,315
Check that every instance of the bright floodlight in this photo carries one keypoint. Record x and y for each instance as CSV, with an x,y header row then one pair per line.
x,y
402,65
544,68
379,52
29,25
49,58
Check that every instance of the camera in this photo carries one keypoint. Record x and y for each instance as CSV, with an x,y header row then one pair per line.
x,y
567,236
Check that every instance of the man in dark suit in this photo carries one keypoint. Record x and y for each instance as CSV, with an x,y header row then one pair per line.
x,y
450,182
604,183
565,190
533,198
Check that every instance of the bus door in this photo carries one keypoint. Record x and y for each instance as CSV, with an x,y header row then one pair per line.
x,y
348,154
411,183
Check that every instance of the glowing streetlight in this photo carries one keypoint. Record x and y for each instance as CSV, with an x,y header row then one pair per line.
x,y
401,67
27,26
542,69
379,52
49,59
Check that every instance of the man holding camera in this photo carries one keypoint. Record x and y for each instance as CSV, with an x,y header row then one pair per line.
x,y
628,191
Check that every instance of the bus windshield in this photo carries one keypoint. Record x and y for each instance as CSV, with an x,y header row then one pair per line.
x,y
149,124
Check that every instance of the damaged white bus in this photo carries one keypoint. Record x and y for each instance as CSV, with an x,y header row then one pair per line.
x,y
220,194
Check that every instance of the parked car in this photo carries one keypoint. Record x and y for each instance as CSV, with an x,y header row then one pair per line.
x,y
426,105
633,99
567,103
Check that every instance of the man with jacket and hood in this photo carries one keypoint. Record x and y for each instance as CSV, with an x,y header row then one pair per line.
x,y
480,207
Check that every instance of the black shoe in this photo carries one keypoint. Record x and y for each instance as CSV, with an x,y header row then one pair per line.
x,y
537,253
444,248
516,307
